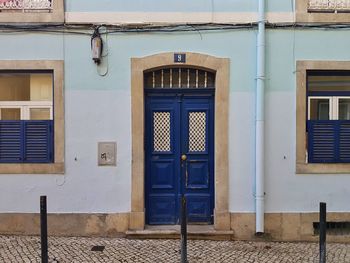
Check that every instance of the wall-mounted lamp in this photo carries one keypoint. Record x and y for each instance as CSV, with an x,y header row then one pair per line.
x,y
96,46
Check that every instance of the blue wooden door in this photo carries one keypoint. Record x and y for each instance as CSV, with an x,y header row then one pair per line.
x,y
179,157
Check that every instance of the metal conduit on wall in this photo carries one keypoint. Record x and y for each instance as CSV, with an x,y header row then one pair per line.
x,y
260,119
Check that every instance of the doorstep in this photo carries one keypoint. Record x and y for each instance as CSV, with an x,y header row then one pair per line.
x,y
173,232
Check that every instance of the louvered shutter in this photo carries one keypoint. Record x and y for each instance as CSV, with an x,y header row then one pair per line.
x,y
10,141
38,138
344,141
26,141
329,141
322,142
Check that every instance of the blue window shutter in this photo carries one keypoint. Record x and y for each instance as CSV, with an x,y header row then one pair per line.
x,y
322,141
38,141
10,141
344,141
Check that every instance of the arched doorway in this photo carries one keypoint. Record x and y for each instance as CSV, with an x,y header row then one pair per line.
x,y
220,66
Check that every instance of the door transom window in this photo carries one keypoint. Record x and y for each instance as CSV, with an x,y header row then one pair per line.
x,y
179,78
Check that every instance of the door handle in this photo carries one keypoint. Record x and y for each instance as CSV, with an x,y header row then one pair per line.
x,y
184,157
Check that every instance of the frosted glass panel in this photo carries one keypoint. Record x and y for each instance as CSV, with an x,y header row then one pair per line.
x,y
344,109
319,109
329,83
26,87
8,114
40,114
41,87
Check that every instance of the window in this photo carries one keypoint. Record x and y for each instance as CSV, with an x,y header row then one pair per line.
x,y
31,117
323,117
26,117
328,123
31,11
326,11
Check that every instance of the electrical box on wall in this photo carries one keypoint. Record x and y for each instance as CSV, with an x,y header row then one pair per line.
x,y
107,153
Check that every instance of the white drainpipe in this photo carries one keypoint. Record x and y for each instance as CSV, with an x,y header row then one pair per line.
x,y
260,119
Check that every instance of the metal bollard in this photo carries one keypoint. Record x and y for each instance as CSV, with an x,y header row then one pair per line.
x,y
43,230
323,222
183,230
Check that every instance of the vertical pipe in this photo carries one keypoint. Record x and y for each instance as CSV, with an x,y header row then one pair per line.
x,y
323,222
260,119
43,232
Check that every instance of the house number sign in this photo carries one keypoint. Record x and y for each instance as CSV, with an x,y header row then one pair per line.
x,y
179,58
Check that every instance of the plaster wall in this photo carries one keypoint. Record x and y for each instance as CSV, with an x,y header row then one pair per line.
x,y
286,191
98,109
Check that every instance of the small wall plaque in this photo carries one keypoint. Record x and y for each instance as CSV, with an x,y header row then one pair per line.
x,y
179,58
107,153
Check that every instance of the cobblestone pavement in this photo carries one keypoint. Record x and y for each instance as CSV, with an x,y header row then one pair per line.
x,y
27,249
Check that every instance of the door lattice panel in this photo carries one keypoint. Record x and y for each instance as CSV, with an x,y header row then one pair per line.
x,y
161,129
197,131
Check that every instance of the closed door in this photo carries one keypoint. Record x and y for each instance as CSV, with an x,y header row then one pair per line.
x,y
179,158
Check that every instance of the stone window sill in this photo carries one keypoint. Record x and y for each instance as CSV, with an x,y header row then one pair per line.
x,y
320,168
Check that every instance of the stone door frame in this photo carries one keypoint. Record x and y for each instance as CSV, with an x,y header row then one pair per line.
x,y
221,67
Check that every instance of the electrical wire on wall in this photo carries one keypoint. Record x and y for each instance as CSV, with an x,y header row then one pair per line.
x,y
151,28
105,30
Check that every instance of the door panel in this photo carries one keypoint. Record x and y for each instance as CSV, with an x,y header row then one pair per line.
x,y
162,164
162,174
178,125
162,209
198,136
199,208
197,176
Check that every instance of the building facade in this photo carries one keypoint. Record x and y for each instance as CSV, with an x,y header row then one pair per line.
x,y
172,108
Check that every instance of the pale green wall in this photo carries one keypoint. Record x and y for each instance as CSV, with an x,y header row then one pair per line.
x,y
239,46
98,109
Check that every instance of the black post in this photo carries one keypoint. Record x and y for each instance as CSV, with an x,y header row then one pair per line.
x,y
323,222
43,226
183,230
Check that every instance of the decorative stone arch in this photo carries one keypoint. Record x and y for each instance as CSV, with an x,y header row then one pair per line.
x,y
221,67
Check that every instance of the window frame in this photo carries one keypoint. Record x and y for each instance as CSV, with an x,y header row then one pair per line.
x,y
304,16
331,108
56,66
302,166
26,106
333,105
56,16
